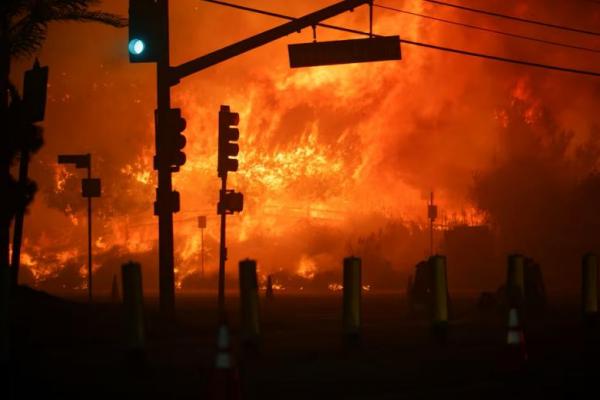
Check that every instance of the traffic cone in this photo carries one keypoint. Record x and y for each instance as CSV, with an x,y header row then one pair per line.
x,y
516,355
225,383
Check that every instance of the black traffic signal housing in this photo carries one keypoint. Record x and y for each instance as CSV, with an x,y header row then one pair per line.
x,y
230,202
34,92
171,140
228,134
171,200
146,31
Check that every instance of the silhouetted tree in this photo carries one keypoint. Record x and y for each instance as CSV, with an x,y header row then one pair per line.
x,y
23,29
542,196
28,139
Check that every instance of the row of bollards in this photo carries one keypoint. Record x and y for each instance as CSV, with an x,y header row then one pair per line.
x,y
225,380
352,297
434,271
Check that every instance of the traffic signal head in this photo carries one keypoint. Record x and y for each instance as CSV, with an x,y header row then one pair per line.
x,y
171,140
146,31
230,202
176,126
228,134
136,47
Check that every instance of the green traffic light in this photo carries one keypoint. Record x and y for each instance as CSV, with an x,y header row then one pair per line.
x,y
136,46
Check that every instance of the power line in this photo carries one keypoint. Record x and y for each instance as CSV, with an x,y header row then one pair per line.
x,y
481,28
420,44
514,18
503,59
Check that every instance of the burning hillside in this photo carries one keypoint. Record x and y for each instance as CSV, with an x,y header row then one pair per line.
x,y
333,160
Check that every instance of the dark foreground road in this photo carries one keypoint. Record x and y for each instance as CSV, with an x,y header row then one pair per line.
x,y
65,350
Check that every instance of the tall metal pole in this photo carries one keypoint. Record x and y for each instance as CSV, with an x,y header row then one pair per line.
x,y
222,254
5,215
163,192
90,236
202,249
431,229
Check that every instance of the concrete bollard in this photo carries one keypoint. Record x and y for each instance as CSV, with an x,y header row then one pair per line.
x,y
440,289
515,280
133,305
352,297
589,285
115,296
439,297
250,329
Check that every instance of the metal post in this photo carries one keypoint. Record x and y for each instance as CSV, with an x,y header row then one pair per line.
x,y
5,215
165,212
90,236
440,290
439,311
250,320
222,254
269,290
352,298
432,213
133,304
202,249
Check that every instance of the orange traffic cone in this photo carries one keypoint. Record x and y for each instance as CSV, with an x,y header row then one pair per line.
x,y
515,339
225,381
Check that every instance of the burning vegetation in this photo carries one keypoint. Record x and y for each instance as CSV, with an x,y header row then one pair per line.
x,y
334,160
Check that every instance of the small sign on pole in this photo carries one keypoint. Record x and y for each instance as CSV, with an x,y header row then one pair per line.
x,y
80,160
90,187
432,212
202,221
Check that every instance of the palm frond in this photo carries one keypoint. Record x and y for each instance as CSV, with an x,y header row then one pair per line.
x,y
30,18
89,16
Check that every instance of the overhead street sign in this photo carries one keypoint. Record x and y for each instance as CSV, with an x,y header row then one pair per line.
x,y
314,54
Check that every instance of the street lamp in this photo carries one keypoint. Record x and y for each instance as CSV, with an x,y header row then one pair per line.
x,y
90,187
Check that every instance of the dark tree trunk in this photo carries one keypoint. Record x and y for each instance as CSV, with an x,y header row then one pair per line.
x,y
6,212
19,219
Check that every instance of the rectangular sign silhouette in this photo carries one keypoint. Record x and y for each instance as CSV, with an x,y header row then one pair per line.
x,y
344,51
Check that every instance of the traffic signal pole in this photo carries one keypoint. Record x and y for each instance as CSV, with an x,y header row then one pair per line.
x,y
151,20
90,236
164,207
222,254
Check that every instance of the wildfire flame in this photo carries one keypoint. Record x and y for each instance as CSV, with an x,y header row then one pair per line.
x,y
328,155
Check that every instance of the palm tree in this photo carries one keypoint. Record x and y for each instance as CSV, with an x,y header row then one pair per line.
x,y
23,29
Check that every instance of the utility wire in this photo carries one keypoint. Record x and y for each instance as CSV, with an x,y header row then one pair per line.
x,y
420,44
513,18
481,28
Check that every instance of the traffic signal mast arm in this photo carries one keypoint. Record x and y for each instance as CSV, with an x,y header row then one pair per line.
x,y
208,60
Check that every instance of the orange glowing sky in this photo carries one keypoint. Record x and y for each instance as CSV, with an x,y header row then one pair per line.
x,y
328,154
